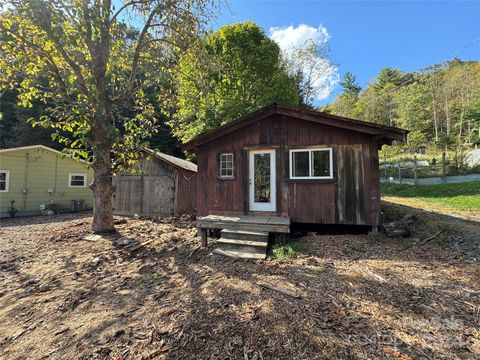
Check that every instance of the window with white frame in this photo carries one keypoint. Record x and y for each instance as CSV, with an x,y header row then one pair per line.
x,y
311,163
77,180
4,180
226,166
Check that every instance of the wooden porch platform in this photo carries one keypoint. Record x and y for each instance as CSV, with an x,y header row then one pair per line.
x,y
275,224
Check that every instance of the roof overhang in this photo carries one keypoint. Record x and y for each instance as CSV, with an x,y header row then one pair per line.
x,y
172,160
43,147
380,133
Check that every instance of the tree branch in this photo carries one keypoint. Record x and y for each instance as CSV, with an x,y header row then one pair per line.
x,y
136,56
114,17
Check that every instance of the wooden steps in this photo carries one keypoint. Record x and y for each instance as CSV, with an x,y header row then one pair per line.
x,y
243,244
237,254
247,223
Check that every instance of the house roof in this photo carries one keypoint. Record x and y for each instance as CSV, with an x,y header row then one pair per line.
x,y
381,133
175,161
31,147
172,160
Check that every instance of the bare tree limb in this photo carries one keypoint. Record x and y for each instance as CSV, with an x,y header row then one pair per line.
x,y
124,6
136,56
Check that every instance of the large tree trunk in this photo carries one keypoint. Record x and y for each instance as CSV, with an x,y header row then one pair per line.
x,y
102,189
102,186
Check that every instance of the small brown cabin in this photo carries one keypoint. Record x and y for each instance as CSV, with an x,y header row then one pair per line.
x,y
163,186
308,166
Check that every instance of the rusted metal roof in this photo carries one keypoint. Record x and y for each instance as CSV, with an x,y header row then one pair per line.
x,y
172,160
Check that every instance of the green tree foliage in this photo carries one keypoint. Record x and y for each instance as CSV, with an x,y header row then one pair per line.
x,y
98,71
230,73
392,76
439,105
15,127
345,103
349,84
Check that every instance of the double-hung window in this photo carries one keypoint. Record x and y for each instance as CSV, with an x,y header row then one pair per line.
x,y
77,180
4,180
226,166
311,163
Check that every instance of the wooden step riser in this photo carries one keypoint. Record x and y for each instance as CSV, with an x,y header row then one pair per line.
x,y
243,242
239,255
245,236
242,248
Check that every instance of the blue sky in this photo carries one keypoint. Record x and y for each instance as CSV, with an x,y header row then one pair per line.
x,y
366,36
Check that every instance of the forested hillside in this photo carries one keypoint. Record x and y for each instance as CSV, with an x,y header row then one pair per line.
x,y
440,105
16,129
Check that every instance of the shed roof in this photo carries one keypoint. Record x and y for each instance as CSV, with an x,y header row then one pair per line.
x,y
381,133
172,160
31,147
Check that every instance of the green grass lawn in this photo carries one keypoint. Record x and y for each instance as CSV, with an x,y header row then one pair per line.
x,y
464,196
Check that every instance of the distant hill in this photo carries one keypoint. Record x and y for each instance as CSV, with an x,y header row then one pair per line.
x,y
439,104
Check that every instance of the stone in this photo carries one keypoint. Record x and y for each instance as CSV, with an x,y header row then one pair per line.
x,y
95,262
44,288
93,237
28,282
123,241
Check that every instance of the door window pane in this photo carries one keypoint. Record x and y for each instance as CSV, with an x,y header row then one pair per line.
x,y
321,163
261,170
300,164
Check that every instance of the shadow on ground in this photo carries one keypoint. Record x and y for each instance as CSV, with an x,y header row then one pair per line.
x,y
360,297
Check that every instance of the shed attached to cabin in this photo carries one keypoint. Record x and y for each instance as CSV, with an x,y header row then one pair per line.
x,y
163,185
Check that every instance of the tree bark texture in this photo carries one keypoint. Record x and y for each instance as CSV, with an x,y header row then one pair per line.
x,y
102,186
102,189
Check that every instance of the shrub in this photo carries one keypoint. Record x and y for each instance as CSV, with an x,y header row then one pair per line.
x,y
287,249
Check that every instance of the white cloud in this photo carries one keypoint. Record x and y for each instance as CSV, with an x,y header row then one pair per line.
x,y
320,72
290,37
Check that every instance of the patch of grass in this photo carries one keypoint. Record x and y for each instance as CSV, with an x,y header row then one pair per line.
x,y
287,249
465,196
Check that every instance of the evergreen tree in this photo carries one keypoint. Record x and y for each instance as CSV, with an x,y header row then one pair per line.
x,y
349,84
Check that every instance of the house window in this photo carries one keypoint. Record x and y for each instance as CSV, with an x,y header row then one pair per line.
x,y
77,180
4,180
226,165
311,164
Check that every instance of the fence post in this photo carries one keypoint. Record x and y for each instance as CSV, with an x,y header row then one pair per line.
x,y
399,173
444,167
415,177
385,165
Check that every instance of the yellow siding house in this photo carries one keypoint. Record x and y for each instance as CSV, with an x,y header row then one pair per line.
x,y
35,176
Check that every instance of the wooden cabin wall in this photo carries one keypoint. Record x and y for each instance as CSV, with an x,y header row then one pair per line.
x,y
351,197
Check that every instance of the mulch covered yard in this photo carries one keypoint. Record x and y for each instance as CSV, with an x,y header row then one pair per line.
x,y
359,296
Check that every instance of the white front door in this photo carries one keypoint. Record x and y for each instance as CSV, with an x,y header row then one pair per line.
x,y
261,180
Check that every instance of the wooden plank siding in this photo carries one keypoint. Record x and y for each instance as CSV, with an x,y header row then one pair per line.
x,y
161,189
351,197
40,175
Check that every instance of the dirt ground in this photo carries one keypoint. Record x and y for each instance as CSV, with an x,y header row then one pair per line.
x,y
359,296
